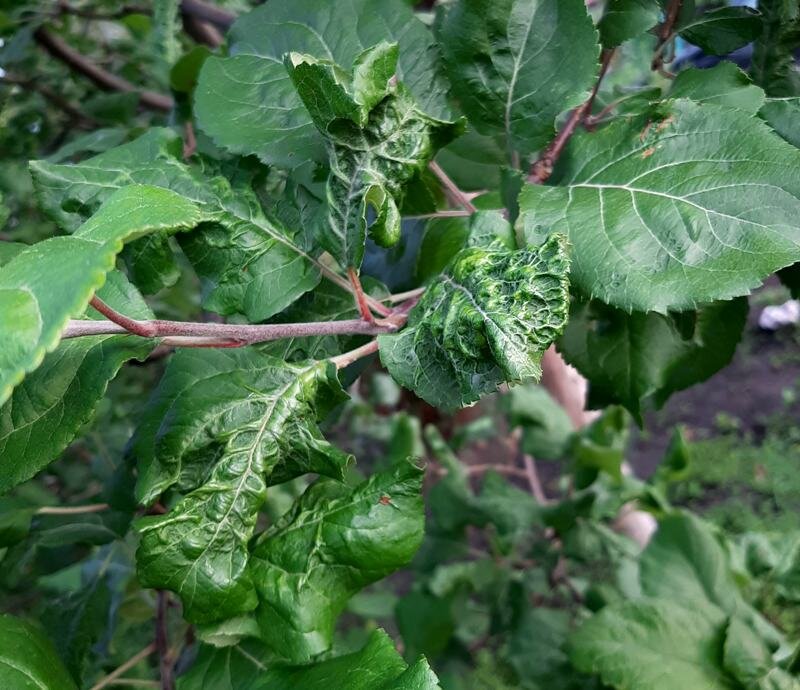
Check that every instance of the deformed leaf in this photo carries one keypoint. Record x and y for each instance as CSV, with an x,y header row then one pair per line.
x,y
225,424
515,65
653,645
487,319
53,403
239,252
28,660
45,285
332,543
699,205
377,140
247,103
377,666
633,359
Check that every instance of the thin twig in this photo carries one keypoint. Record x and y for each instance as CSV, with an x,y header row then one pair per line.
x,y
208,13
130,663
361,302
452,190
542,168
665,35
60,50
403,296
346,359
124,11
202,32
440,214
162,642
234,334
80,118
73,510
534,482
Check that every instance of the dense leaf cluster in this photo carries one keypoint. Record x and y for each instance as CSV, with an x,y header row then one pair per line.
x,y
456,190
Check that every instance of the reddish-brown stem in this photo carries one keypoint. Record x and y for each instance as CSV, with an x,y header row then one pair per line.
x,y
207,12
363,301
130,663
665,34
60,50
348,358
199,334
162,642
456,195
542,168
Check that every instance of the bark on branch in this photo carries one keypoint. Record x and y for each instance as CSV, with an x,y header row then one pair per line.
x,y
107,81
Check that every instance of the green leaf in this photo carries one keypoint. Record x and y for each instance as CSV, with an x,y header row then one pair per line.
x,y
748,659
640,358
699,206
546,427
252,89
225,424
42,287
28,660
443,239
236,667
237,234
76,620
783,114
721,31
657,645
48,409
377,140
683,559
773,65
378,666
515,65
486,320
600,446
724,84
164,38
626,19
332,543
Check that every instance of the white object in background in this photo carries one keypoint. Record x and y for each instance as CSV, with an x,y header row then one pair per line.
x,y
786,314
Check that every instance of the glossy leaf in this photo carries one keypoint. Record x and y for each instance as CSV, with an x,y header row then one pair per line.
x,y
50,407
700,205
236,421
334,541
721,31
486,320
626,19
252,89
724,84
237,235
515,65
377,140
639,358
377,666
28,660
42,287
656,645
